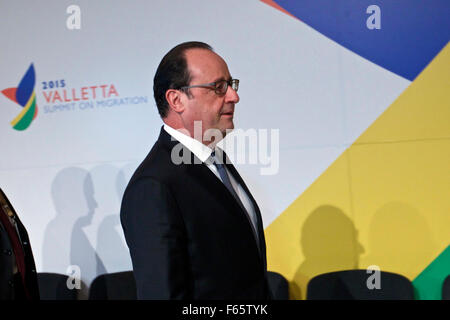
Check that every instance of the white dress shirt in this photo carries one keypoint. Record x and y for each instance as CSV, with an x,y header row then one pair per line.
x,y
204,154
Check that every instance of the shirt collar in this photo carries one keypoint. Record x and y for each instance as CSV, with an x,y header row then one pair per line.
x,y
196,147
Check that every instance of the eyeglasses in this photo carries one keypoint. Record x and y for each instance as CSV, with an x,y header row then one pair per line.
x,y
220,87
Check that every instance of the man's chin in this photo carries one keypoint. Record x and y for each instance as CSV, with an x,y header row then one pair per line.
x,y
229,129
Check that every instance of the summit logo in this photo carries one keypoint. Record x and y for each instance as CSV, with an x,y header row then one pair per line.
x,y
58,95
25,96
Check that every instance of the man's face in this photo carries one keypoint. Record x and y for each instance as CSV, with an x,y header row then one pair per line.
x,y
213,110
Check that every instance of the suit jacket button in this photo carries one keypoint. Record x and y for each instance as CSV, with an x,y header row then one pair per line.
x,y
8,252
25,243
10,283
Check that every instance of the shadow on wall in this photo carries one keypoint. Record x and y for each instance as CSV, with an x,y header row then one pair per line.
x,y
400,241
87,205
65,243
110,183
329,242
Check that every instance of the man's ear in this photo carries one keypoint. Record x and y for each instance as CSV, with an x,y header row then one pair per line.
x,y
175,100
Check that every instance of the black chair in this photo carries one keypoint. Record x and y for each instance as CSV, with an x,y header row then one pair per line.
x,y
446,289
278,285
352,285
114,286
53,286
122,286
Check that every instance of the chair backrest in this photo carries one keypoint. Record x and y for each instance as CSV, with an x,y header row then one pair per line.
x,y
353,285
278,285
114,286
53,286
446,289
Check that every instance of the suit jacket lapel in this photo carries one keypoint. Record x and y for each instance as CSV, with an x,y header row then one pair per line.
x,y
236,174
198,170
224,196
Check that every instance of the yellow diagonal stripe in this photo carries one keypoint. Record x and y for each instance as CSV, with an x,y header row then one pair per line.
x,y
384,201
24,110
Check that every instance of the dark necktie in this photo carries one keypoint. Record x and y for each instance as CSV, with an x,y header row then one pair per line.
x,y
226,181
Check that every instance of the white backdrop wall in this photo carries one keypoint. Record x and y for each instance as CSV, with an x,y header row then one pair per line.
x,y
65,174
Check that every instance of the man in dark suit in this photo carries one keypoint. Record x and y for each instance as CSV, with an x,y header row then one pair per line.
x,y
192,226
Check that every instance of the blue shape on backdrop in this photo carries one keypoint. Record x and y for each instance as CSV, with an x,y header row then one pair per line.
x,y
26,87
412,31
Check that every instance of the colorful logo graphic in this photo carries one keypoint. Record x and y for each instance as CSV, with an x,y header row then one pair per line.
x,y
25,96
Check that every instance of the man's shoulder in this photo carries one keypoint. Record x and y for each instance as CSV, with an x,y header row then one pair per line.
x,y
157,164
168,163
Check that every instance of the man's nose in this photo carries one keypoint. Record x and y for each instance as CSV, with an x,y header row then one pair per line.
x,y
231,95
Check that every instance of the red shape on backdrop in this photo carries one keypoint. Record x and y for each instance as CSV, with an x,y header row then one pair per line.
x,y
10,93
35,112
278,7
